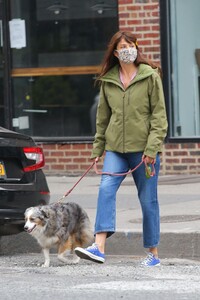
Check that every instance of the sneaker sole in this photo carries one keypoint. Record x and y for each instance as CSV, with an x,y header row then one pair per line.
x,y
146,266
89,256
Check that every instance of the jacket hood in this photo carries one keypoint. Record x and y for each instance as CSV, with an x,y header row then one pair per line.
x,y
144,71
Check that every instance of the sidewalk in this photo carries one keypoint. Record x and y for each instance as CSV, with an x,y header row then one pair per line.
x,y
179,198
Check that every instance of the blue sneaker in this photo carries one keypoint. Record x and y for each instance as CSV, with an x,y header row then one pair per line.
x,y
91,253
150,261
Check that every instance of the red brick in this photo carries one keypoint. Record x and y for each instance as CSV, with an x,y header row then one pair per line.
x,y
122,23
188,146
125,2
156,28
50,147
86,153
79,160
172,146
57,167
180,153
134,22
144,28
134,7
79,146
151,7
65,146
71,153
144,43
172,161
57,153
152,49
46,153
196,153
50,160
151,35
151,21
188,160
123,15
155,14
64,160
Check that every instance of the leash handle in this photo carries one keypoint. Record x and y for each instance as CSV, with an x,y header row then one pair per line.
x,y
149,169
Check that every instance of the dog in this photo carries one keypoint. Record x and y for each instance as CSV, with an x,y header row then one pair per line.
x,y
65,225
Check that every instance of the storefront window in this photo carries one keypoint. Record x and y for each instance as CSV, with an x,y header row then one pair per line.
x,y
75,35
58,106
185,77
56,50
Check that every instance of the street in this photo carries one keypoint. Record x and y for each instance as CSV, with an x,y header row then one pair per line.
x,y
119,278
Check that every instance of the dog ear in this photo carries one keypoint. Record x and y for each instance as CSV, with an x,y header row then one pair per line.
x,y
44,212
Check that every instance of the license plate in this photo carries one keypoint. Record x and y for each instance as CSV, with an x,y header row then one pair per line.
x,y
2,170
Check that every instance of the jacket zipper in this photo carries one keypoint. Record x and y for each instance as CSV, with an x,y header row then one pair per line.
x,y
123,121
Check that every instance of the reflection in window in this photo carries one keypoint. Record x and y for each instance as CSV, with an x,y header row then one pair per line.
x,y
68,33
77,34
58,106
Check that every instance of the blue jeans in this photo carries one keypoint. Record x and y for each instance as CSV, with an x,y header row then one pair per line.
x,y
147,193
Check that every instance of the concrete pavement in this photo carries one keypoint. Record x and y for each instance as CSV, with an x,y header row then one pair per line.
x,y
179,198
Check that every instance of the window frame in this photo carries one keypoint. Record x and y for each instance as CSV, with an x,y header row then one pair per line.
x,y
166,61
11,73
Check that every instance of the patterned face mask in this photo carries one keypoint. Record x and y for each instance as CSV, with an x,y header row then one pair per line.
x,y
127,55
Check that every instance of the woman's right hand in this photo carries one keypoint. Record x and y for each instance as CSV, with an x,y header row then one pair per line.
x,y
96,159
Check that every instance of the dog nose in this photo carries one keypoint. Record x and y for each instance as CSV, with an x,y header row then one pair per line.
x,y
25,228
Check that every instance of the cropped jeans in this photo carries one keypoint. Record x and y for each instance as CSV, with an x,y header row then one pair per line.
x,y
147,193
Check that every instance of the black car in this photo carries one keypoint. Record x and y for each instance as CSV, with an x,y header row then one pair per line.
x,y
22,181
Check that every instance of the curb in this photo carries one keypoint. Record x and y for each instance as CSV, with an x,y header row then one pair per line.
x,y
172,245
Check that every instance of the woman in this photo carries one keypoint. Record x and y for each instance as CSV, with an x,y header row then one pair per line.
x,y
131,126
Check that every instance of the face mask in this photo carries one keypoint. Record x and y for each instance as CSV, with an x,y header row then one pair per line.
x,y
127,55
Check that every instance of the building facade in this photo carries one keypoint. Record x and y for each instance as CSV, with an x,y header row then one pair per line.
x,y
51,52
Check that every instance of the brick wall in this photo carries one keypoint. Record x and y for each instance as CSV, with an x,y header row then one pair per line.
x,y
67,158
181,158
141,17
74,159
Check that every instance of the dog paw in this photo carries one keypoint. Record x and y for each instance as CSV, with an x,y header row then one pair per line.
x,y
45,265
68,261
75,260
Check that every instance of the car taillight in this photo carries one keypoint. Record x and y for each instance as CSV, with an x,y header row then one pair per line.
x,y
35,154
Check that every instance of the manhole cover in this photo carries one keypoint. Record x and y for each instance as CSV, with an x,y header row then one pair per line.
x,y
172,219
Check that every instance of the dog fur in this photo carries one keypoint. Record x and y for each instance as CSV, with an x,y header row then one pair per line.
x,y
66,226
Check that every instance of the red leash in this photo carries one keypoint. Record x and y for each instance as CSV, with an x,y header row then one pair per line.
x,y
116,174
150,172
65,195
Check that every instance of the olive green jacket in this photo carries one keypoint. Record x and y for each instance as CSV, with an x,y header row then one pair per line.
x,y
132,119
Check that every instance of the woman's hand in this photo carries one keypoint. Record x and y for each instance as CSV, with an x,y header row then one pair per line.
x,y
96,159
148,159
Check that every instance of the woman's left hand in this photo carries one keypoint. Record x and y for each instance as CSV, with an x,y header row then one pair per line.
x,y
148,159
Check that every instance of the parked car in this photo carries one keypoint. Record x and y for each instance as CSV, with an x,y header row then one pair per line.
x,y
22,181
